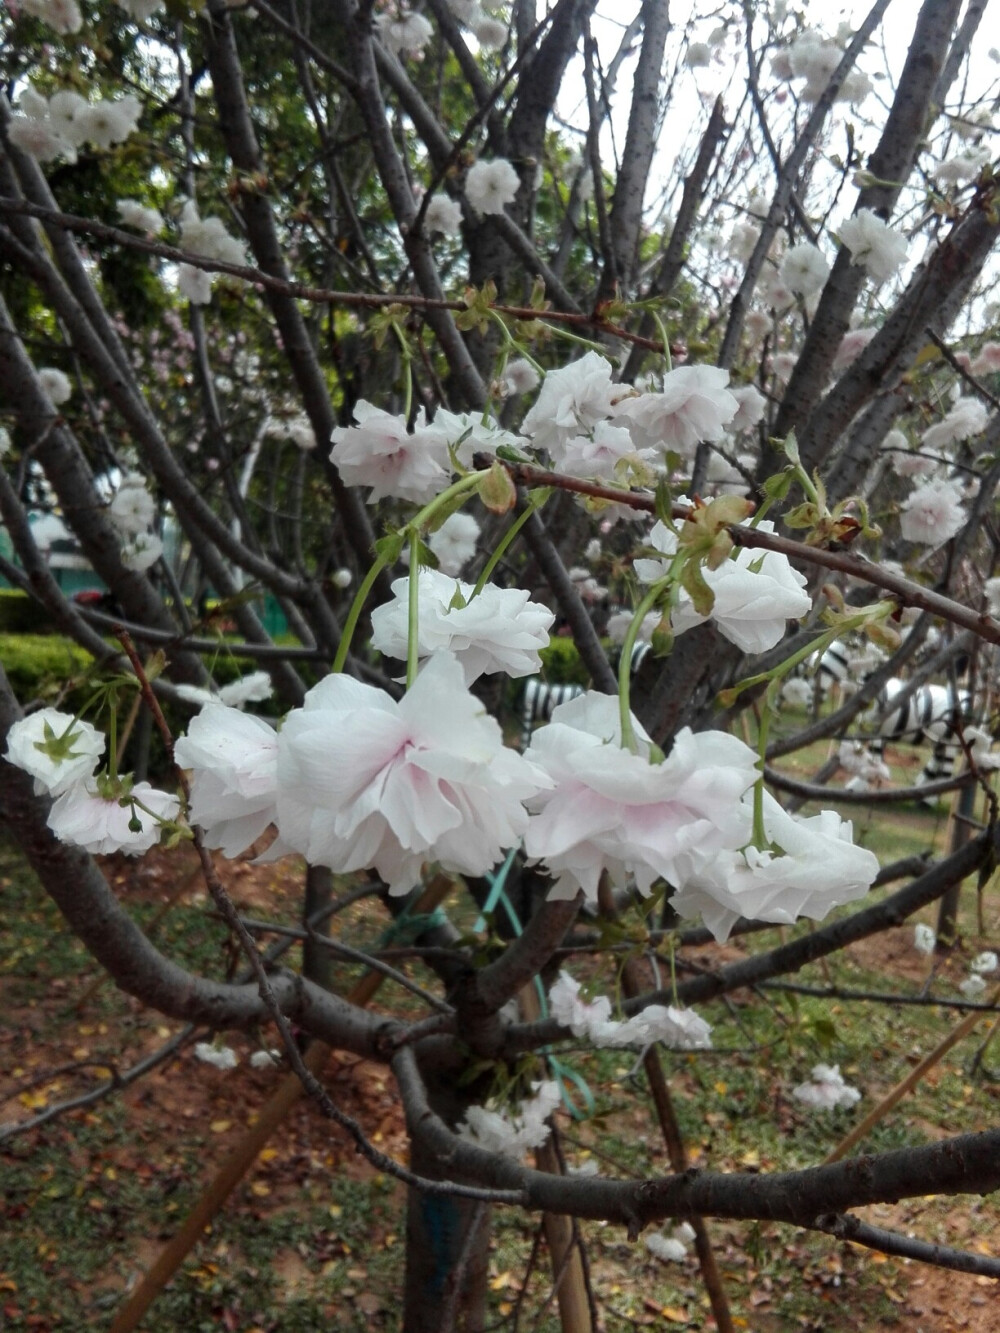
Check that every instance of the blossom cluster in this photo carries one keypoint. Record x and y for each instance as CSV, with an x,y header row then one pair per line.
x,y
55,127
99,813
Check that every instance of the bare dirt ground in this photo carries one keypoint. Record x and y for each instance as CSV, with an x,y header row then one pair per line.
x,y
52,1044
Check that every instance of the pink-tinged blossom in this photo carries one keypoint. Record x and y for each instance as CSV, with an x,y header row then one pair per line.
x,y
782,365
467,434
873,244
56,749
967,418
804,269
988,360
84,817
826,1090
851,346
933,513
751,405
365,781
512,1133
233,761
491,186
694,405
520,376
756,592
571,401
612,810
454,542
758,326
814,868
500,629
379,452
601,453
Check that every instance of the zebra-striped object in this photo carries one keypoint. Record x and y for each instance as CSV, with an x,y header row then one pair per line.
x,y
932,713
539,699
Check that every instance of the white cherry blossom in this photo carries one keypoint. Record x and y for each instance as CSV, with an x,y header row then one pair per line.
x,y
56,749
571,401
491,186
512,1133
973,986
756,592
924,938
222,1057
804,269
139,215
826,1090
454,542
56,384
874,244
233,760
815,868
443,215
500,629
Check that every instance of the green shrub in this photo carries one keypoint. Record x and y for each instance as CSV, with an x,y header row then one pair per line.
x,y
38,665
21,614
561,664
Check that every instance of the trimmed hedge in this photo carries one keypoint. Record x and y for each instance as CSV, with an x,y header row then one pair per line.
x,y
38,664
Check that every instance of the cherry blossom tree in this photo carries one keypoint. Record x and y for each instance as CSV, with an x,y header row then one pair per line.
x,y
439,328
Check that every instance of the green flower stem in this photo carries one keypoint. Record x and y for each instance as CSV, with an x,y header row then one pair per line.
x,y
664,339
505,542
423,516
760,839
625,662
113,734
407,370
354,615
413,610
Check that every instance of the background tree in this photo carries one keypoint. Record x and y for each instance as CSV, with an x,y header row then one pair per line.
x,y
225,231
